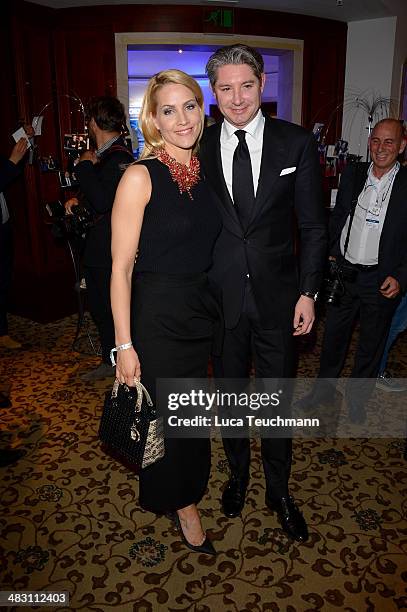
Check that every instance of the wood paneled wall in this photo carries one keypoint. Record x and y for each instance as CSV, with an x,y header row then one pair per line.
x,y
55,53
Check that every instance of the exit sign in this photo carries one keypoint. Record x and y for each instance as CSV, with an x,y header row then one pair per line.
x,y
218,20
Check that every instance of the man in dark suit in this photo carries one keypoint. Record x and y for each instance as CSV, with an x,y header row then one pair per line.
x,y
10,169
98,173
266,172
368,238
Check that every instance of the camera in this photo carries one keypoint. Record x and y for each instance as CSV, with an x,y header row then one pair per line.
x,y
336,274
333,283
79,222
75,225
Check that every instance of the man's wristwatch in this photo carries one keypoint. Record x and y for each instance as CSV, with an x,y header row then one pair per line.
x,y
310,294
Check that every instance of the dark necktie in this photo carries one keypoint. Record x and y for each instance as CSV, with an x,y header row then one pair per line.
x,y
242,180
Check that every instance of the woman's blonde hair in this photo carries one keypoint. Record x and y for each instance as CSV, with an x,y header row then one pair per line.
x,y
152,137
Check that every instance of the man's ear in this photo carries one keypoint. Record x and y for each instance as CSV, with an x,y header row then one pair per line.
x,y
262,82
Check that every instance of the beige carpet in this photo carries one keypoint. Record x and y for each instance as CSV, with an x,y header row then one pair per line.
x,y
70,520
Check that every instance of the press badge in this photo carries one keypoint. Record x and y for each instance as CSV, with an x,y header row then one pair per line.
x,y
372,224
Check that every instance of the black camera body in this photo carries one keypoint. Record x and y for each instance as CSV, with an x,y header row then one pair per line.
x,y
79,222
333,285
75,225
334,282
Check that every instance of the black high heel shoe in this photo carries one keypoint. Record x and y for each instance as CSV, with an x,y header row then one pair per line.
x,y
206,547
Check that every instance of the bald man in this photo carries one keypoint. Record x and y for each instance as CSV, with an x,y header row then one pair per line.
x,y
368,239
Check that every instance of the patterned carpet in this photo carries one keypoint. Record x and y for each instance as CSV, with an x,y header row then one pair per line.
x,y
70,520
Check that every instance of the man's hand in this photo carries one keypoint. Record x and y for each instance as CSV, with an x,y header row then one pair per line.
x,y
69,204
18,151
390,287
89,155
304,315
29,130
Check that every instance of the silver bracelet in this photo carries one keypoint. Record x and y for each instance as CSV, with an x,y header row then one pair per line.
x,y
121,347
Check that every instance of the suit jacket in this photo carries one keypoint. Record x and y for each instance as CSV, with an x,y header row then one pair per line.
x,y
267,248
393,239
98,184
8,172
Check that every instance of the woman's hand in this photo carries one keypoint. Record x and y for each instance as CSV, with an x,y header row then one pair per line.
x,y
127,366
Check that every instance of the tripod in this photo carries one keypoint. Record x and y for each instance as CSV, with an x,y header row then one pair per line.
x,y
75,246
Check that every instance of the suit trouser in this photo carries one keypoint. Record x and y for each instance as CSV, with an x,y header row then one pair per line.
x,y
361,297
6,267
273,354
98,294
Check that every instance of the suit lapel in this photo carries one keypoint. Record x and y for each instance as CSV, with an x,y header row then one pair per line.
x,y
213,166
392,215
274,154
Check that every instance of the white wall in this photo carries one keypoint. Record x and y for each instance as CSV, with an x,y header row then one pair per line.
x,y
123,40
400,54
369,70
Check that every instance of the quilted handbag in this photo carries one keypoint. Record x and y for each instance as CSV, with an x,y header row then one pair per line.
x,y
130,426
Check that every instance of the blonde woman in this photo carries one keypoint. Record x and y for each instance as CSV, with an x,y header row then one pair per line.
x,y
163,304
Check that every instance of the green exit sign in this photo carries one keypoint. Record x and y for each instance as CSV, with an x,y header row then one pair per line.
x,y
219,18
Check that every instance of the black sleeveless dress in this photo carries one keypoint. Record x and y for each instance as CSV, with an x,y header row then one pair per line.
x,y
175,317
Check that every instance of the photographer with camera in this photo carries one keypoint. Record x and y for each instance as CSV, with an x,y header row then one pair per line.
x,y
368,271
98,173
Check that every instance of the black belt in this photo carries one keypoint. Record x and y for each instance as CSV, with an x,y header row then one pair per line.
x,y
362,266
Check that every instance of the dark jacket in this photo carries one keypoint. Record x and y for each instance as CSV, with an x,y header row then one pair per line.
x,y
8,172
98,184
393,240
267,248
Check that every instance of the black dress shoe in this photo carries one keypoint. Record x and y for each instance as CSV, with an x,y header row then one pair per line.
x,y
8,456
290,517
206,547
233,497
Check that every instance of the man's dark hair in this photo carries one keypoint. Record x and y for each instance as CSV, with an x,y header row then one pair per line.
x,y
108,113
234,54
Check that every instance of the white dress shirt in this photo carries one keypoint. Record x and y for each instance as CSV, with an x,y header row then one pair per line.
x,y
368,220
228,143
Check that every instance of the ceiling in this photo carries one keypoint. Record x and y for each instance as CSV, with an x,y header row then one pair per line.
x,y
144,62
342,10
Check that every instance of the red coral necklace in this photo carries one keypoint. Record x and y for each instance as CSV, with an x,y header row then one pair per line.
x,y
186,177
